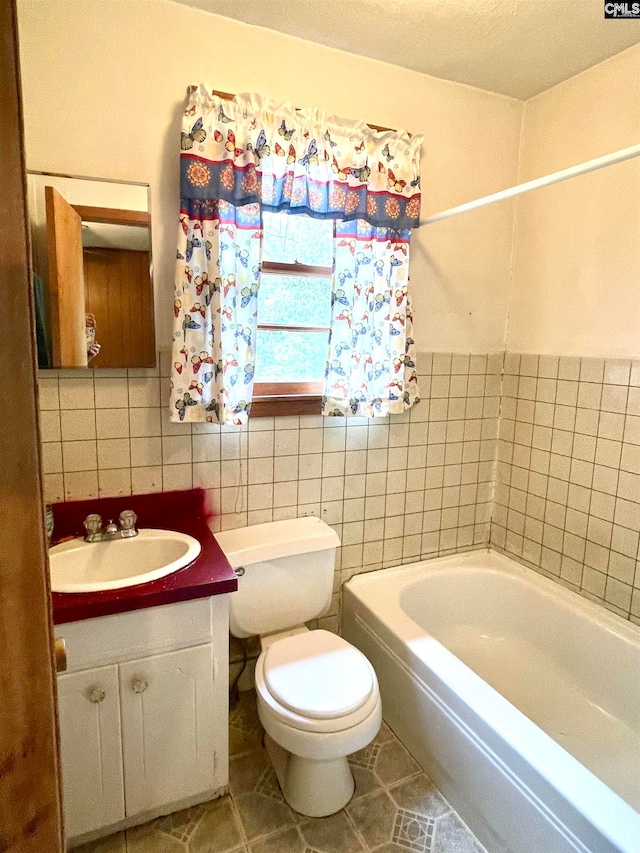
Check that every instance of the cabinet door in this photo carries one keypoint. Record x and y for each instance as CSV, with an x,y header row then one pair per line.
x,y
167,727
91,749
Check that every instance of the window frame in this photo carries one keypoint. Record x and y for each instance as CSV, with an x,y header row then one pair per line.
x,y
273,399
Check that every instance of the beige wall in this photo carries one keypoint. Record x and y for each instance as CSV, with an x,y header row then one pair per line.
x,y
104,86
576,279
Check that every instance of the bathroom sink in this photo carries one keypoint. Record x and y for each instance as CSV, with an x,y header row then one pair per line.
x,y
79,566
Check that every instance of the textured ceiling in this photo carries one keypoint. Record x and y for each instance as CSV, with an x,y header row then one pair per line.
x,y
516,47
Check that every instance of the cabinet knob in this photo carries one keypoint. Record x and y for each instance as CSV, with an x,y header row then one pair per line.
x,y
96,695
139,685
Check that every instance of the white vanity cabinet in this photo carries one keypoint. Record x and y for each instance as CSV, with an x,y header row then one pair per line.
x,y
168,727
91,748
143,713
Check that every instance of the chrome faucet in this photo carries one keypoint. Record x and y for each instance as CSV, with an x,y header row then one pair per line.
x,y
97,533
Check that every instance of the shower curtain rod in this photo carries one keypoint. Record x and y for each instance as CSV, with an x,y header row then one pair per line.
x,y
553,178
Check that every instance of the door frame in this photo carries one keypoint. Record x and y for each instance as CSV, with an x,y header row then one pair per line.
x,y
31,819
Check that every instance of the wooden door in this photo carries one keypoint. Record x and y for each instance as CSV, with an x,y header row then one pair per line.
x,y
91,749
30,788
118,294
66,282
168,727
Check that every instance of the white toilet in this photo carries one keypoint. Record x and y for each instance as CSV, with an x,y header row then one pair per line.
x,y
317,695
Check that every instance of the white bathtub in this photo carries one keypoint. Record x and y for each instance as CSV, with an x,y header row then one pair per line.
x,y
518,697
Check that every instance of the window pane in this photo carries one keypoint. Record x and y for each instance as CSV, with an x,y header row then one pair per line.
x,y
297,239
294,300
290,356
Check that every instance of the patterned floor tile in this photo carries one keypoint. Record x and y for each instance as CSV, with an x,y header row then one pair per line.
x,y
413,831
366,782
262,815
334,834
394,763
146,839
420,795
395,808
245,730
218,831
289,841
180,825
113,844
384,734
374,817
452,836
269,786
246,771
365,757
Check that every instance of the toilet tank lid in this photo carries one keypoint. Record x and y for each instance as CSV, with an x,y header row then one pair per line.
x,y
276,539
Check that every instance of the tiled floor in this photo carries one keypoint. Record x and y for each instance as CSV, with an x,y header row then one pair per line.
x,y
395,809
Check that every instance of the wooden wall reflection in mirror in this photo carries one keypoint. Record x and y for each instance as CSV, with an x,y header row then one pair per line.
x,y
92,272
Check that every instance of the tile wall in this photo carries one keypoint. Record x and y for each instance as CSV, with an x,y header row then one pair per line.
x,y
395,489
567,482
567,496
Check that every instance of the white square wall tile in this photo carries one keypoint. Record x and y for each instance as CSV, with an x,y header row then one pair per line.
x,y
112,423
144,422
206,475
260,496
285,494
51,456
176,477
285,468
176,449
111,393
53,487
48,398
78,424
114,482
144,392
309,491
146,452
261,443
334,439
79,456
260,470
76,393
206,447
114,453
146,480
80,485
50,425
286,442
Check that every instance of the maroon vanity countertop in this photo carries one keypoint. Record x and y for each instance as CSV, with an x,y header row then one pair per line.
x,y
209,574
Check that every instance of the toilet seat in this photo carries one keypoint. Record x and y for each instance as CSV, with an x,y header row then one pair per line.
x,y
317,674
361,702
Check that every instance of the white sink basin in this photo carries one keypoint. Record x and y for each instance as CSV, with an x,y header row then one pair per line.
x,y
79,566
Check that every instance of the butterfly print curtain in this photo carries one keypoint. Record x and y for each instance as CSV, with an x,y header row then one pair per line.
x,y
371,367
242,157
215,311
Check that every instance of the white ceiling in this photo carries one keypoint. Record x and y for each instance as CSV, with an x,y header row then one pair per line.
x,y
516,47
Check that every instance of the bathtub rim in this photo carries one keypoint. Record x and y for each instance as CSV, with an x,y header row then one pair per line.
x,y
607,811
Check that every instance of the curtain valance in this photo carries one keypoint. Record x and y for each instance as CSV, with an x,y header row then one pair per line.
x,y
251,149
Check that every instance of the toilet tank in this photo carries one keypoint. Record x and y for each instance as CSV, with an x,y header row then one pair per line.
x,y
288,573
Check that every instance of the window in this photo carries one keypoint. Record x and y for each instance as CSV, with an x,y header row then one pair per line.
x,y
294,314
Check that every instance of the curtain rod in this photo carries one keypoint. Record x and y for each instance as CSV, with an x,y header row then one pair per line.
x,y
227,96
553,178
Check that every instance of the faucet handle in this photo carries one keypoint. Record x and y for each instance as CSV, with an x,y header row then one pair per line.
x,y
93,523
128,519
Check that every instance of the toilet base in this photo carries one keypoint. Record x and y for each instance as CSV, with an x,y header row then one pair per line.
x,y
311,787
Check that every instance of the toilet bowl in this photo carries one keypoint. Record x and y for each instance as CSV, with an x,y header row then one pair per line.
x,y
318,701
317,695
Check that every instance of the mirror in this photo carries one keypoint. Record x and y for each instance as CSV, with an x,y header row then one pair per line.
x,y
93,287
